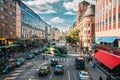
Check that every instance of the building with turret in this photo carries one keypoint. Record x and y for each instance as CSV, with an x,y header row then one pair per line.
x,y
87,28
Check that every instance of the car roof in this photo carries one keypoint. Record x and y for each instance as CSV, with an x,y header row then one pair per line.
x,y
59,65
83,72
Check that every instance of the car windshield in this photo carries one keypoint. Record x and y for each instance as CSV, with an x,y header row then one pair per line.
x,y
19,60
84,73
42,70
58,67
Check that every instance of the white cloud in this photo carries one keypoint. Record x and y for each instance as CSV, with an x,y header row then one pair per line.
x,y
46,9
57,20
74,4
52,1
70,13
41,6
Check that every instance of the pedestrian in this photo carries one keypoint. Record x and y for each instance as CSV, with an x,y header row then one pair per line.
x,y
100,78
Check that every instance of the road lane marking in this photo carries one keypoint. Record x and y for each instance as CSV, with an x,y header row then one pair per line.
x,y
61,59
70,59
51,75
68,75
67,65
64,59
74,75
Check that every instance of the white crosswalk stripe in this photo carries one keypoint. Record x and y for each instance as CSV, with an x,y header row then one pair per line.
x,y
61,59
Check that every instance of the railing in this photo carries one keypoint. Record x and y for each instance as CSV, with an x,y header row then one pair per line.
x,y
112,50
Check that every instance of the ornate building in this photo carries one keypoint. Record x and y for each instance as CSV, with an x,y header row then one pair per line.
x,y
87,28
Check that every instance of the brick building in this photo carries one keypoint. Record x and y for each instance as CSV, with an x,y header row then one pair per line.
x,y
7,21
87,28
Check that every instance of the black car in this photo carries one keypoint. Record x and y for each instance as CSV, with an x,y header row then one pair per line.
x,y
30,56
36,52
19,61
59,69
54,62
43,71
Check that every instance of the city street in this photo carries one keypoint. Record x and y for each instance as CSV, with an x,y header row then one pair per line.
x,y
28,71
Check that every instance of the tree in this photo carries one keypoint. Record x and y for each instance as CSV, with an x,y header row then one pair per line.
x,y
73,36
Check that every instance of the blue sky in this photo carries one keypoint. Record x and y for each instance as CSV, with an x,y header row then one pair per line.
x,y
57,13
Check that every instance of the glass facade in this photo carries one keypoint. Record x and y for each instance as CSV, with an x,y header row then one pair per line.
x,y
31,18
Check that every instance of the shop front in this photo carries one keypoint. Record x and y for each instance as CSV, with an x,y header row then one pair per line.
x,y
108,63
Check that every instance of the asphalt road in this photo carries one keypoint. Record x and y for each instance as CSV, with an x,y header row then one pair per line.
x,y
28,71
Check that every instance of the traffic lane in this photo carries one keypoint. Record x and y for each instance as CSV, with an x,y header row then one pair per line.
x,y
70,71
19,71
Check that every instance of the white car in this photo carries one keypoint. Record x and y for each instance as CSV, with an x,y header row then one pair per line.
x,y
84,75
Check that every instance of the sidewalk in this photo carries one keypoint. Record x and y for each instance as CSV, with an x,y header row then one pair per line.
x,y
95,73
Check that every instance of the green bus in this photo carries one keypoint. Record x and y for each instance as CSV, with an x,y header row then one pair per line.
x,y
57,50
60,51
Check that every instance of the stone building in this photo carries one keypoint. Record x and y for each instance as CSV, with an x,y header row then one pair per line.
x,y
87,28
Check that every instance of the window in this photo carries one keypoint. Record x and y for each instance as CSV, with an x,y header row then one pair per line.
x,y
106,20
11,33
12,7
1,1
87,40
1,8
119,1
114,18
109,20
119,15
4,17
114,3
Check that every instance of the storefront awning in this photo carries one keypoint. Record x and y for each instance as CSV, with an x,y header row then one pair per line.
x,y
98,40
108,39
107,59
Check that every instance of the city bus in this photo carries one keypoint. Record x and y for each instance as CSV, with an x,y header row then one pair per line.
x,y
80,63
60,51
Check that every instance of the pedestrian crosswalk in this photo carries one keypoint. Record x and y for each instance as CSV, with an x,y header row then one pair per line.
x,y
61,59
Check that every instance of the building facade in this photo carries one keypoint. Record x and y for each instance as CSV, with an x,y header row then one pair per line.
x,y
107,22
7,22
87,28
28,23
55,34
81,10
107,35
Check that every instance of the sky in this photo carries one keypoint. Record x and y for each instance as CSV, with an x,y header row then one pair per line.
x,y
58,13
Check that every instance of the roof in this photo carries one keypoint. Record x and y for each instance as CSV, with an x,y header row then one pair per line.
x,y
107,59
90,11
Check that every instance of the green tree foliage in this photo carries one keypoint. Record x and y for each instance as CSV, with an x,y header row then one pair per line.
x,y
73,36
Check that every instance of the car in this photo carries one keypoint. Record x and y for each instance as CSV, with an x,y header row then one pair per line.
x,y
54,62
30,56
59,69
10,65
19,61
43,71
83,75
36,52
80,63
